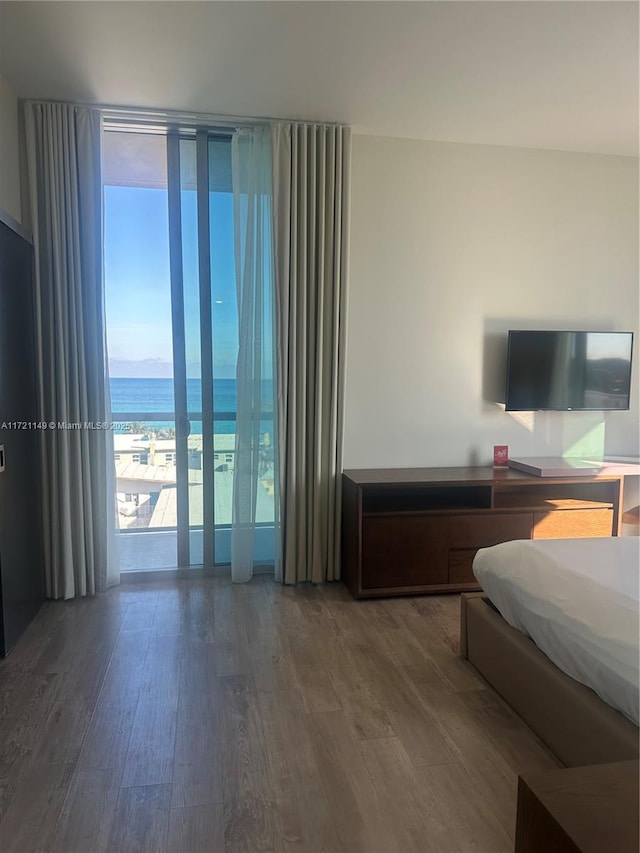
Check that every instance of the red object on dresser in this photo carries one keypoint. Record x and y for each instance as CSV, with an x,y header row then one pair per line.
x,y
500,456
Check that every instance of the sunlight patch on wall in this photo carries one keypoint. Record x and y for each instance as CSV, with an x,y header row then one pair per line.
x,y
589,445
525,419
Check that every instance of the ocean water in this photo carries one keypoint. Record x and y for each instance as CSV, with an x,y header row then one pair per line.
x,y
156,395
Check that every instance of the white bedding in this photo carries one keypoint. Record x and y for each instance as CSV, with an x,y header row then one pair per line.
x,y
578,601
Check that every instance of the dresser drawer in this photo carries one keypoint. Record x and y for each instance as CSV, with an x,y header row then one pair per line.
x,y
573,524
481,531
460,566
403,551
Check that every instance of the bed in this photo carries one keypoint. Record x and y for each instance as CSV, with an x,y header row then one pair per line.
x,y
555,632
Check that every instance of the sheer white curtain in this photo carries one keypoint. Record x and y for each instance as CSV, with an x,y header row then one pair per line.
x,y
65,196
253,227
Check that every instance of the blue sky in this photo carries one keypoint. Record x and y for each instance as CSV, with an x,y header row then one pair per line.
x,y
138,290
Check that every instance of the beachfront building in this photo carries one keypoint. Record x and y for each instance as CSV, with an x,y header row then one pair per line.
x,y
146,481
149,450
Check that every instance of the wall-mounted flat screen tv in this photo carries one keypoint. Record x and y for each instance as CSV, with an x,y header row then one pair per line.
x,y
568,371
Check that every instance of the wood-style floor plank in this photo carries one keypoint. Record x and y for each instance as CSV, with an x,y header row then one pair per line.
x,y
415,819
151,746
107,740
424,620
230,633
465,808
181,716
197,609
197,759
139,607
32,815
512,739
500,784
38,633
359,822
87,815
464,736
305,813
141,820
421,733
21,729
250,816
196,829
346,665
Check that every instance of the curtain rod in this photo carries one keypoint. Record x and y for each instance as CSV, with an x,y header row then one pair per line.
x,y
150,115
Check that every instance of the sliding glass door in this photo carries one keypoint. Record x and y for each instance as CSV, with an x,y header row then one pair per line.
x,y
141,363
172,313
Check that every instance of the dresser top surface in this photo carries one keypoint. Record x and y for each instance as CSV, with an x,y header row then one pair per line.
x,y
481,475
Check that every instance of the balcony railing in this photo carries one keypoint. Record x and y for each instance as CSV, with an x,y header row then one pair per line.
x,y
146,473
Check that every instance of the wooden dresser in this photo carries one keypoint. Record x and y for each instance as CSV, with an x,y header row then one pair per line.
x,y
416,530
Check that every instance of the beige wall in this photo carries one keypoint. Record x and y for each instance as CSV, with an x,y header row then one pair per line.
x,y
9,163
452,245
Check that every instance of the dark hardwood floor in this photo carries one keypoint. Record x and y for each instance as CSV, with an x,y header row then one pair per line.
x,y
199,716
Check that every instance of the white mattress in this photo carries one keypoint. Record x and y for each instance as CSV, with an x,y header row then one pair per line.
x,y
578,601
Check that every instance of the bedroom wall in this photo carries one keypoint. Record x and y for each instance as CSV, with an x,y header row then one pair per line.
x,y
451,246
9,163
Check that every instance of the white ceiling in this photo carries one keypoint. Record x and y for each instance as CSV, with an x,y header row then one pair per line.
x,y
561,75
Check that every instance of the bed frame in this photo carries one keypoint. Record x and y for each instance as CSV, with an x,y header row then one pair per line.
x,y
576,725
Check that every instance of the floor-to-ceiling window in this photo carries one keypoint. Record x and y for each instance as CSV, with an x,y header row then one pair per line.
x,y
172,334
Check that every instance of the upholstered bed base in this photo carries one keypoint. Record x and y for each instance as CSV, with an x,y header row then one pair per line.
x,y
576,725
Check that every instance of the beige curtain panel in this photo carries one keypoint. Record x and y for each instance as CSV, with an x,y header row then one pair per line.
x,y
65,196
311,215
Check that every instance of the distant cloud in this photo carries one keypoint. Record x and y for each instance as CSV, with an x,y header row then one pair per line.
x,y
158,368
148,368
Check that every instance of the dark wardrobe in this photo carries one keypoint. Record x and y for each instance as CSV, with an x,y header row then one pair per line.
x,y
21,561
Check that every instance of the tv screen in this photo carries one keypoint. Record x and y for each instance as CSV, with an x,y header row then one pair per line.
x,y
568,371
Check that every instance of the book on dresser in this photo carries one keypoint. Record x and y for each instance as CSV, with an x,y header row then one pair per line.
x,y
416,530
